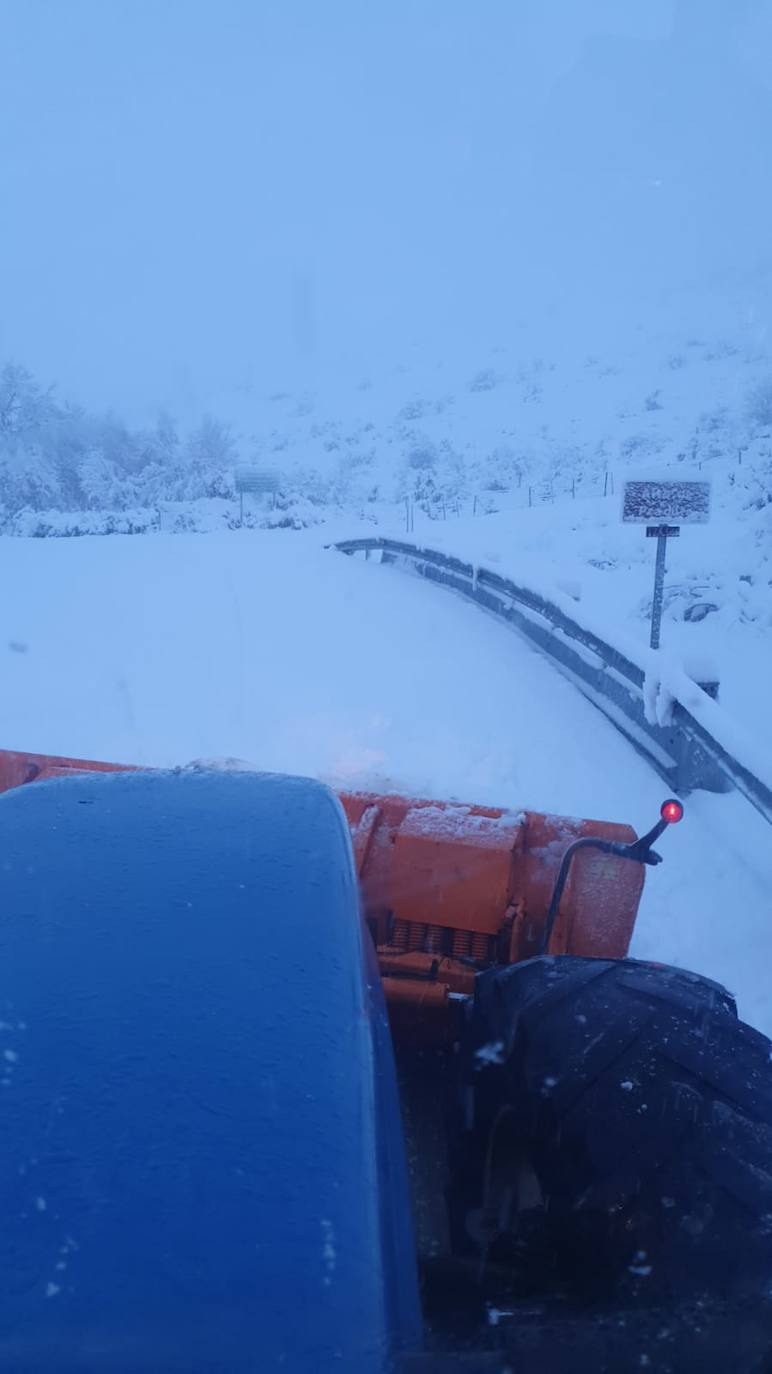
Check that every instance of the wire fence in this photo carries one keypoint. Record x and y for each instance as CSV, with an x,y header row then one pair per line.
x,y
494,501
724,462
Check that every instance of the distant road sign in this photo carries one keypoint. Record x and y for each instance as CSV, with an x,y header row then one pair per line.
x,y
654,504
257,480
681,503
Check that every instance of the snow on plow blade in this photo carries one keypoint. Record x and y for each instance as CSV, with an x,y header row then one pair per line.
x,y
450,889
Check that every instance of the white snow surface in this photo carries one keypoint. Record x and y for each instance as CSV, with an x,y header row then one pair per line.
x,y
266,647
579,555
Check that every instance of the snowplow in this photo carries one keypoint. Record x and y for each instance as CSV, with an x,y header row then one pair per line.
x,y
302,1082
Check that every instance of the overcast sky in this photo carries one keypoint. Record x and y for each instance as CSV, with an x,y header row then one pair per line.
x,y
196,191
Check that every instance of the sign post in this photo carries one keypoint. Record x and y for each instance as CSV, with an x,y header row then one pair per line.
x,y
256,480
662,501
662,533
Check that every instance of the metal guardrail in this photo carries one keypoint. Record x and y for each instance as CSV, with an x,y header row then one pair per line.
x,y
684,752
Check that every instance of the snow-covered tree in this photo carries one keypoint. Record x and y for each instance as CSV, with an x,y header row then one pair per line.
x,y
209,458
24,408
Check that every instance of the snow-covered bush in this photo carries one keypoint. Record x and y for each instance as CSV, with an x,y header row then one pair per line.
x,y
484,380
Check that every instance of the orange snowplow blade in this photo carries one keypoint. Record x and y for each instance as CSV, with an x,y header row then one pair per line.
x,y
16,769
450,889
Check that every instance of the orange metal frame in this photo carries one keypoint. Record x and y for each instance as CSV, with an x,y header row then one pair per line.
x,y
450,889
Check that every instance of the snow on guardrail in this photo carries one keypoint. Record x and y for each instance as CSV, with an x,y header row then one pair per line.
x,y
685,735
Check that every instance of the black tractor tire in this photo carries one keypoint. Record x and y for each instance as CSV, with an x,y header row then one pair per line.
x,y
618,1139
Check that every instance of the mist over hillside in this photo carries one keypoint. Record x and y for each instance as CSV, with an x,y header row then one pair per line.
x,y
477,265
205,205
452,434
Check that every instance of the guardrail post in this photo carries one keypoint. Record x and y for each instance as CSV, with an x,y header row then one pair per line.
x,y
695,768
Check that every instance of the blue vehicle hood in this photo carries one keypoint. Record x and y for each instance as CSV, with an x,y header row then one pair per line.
x,y
203,1164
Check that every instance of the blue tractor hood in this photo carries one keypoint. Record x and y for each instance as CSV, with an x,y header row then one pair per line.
x,y
202,1155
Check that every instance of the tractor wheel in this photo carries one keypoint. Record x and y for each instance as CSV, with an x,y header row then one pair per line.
x,y
621,1133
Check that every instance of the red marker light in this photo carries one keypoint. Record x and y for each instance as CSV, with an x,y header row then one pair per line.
x,y
671,811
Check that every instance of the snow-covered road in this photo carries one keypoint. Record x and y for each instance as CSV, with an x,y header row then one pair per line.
x,y
268,648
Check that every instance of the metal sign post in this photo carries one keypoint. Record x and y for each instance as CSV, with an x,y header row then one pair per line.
x,y
662,533
645,501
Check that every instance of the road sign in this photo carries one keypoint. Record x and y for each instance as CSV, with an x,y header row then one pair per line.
x,y
657,531
682,503
646,501
256,480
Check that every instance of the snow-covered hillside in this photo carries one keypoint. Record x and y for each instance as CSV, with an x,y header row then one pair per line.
x,y
441,431
521,460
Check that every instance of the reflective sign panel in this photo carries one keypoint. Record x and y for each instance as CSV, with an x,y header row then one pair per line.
x,y
256,480
682,503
